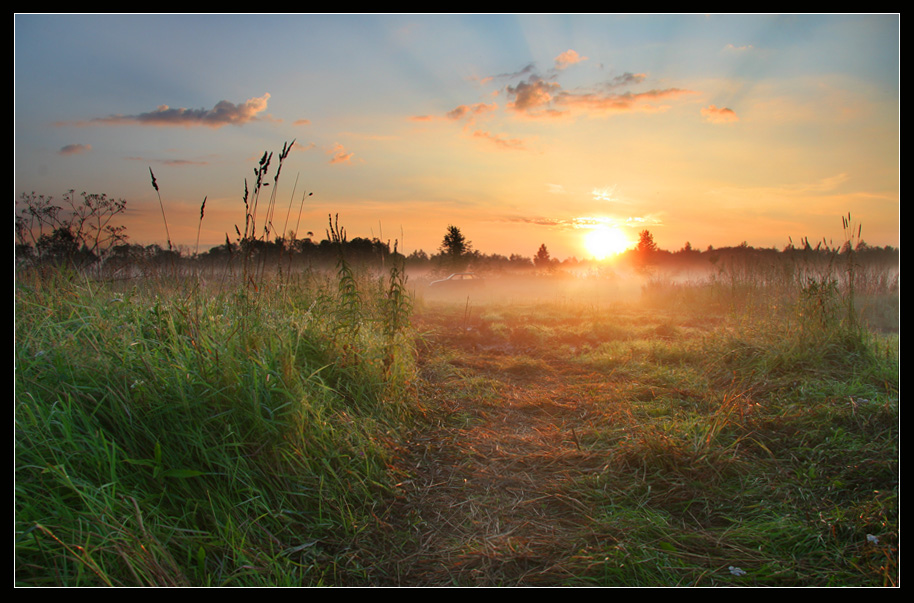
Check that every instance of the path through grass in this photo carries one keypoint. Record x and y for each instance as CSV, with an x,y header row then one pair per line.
x,y
626,447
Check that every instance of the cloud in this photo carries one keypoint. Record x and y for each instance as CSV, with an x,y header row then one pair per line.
x,y
530,68
180,162
597,102
587,221
828,184
301,122
639,221
224,113
75,149
718,115
537,97
533,96
626,79
169,162
732,48
338,154
514,144
471,110
556,189
538,220
459,112
568,58
606,193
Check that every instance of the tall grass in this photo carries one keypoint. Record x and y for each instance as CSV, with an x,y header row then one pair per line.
x,y
228,437
179,432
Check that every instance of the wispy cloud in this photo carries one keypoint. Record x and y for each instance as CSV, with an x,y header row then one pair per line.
x,y
223,114
500,141
470,110
605,193
529,68
169,162
626,79
587,221
75,149
539,221
538,98
718,115
468,114
629,221
338,154
556,189
460,112
600,103
790,194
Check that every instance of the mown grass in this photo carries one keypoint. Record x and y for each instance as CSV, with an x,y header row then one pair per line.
x,y
172,434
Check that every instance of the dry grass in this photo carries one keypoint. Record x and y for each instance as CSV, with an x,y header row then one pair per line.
x,y
552,457
487,500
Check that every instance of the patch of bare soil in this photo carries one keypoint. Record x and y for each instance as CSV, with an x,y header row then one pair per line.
x,y
484,499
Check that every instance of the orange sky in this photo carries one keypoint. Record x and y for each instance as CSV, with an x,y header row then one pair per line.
x,y
520,130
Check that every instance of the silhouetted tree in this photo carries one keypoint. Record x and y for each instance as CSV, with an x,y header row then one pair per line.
x,y
454,249
542,260
645,251
77,230
646,244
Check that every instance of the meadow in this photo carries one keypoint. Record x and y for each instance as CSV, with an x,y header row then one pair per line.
x,y
262,423
344,428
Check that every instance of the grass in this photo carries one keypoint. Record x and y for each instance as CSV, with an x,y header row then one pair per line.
x,y
193,437
320,430
308,428
748,441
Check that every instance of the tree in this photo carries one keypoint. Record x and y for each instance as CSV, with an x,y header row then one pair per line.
x,y
542,259
646,244
455,248
646,250
77,229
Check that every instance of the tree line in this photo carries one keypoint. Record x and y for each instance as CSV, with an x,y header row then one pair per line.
x,y
82,231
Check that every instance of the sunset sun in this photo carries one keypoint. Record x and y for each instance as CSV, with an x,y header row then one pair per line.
x,y
605,241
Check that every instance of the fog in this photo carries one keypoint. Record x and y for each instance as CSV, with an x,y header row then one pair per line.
x,y
595,288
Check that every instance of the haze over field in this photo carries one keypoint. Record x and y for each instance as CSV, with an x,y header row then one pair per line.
x,y
521,130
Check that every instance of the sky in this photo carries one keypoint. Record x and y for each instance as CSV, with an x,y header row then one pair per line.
x,y
520,130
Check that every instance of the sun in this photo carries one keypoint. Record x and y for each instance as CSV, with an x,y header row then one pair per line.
x,y
605,241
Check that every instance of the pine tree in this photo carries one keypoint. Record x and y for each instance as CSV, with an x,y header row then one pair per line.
x,y
455,248
542,259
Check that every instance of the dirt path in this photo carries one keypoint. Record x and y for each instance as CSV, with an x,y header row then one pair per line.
x,y
486,502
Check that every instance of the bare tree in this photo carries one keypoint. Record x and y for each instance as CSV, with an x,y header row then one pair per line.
x,y
83,226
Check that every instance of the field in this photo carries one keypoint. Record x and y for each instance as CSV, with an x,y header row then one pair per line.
x,y
346,428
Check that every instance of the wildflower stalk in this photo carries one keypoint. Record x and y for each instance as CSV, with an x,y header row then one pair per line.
x,y
349,307
162,207
200,225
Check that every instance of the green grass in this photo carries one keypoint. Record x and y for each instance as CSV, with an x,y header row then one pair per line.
x,y
179,436
742,431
